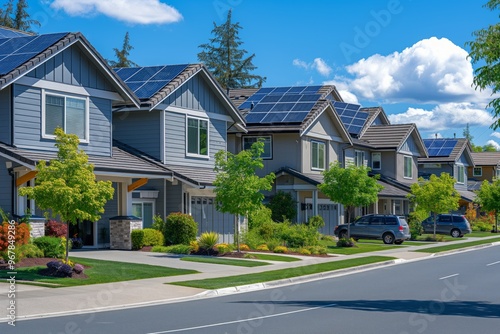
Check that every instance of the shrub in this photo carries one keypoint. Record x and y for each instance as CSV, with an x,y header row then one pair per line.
x,y
180,228
195,247
76,243
158,224
54,265
21,235
327,237
58,269
55,229
280,249
439,238
343,242
273,243
263,248
415,223
317,250
208,240
249,256
244,247
224,248
146,237
299,235
304,251
316,222
50,246
30,251
482,226
283,206
260,216
174,249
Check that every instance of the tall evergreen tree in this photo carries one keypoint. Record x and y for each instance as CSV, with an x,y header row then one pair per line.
x,y
122,55
6,15
226,60
22,20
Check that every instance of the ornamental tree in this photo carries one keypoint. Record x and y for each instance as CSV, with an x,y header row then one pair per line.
x,y
67,185
352,187
237,187
436,195
488,197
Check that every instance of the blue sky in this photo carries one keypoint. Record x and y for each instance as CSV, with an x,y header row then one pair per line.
x,y
410,57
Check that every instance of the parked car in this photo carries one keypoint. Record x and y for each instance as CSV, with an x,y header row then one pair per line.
x,y
451,224
390,228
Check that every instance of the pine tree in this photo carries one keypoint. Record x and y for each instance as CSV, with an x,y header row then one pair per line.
x,y
6,15
226,60
123,54
22,20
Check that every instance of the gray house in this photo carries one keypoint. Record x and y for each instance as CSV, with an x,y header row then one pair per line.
x,y
55,80
182,121
452,156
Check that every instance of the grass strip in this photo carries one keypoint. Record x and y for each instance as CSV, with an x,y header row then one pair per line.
x,y
359,248
99,271
457,246
229,262
271,257
273,275
380,242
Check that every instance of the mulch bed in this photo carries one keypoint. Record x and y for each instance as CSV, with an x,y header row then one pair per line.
x,y
41,262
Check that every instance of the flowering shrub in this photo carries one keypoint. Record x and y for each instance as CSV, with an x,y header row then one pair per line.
x,y
78,268
58,269
343,242
21,236
55,229
263,247
244,247
280,249
224,248
304,251
195,247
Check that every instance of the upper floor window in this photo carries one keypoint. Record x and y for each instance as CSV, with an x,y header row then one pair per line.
x,y
197,136
477,171
267,140
460,174
498,173
359,158
408,167
69,113
318,155
376,161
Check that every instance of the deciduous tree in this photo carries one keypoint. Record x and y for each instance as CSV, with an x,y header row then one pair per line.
x,y
488,197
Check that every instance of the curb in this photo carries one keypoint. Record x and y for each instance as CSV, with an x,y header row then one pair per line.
x,y
466,249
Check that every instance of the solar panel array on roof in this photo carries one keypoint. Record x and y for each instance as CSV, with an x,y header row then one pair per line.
x,y
15,51
8,33
440,147
351,115
147,81
281,104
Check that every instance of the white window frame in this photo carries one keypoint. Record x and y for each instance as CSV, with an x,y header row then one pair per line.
x,y
410,159
65,96
379,160
142,201
198,155
480,171
265,156
324,155
357,155
460,174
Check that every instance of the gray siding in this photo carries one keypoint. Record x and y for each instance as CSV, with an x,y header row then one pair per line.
x,y
139,129
175,141
196,94
410,146
28,123
5,187
72,67
173,196
5,116
110,210
286,152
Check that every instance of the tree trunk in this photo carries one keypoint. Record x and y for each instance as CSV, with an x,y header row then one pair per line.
x,y
67,243
435,223
348,223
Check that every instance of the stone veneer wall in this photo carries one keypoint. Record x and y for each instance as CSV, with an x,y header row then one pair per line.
x,y
37,229
120,231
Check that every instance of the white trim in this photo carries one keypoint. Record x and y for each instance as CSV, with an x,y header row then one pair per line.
x,y
162,136
195,155
257,136
474,170
200,114
44,93
319,201
404,167
356,158
8,157
380,161
79,90
324,137
134,175
460,166
324,155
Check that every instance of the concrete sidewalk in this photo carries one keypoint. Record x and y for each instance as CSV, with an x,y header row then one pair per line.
x,y
34,301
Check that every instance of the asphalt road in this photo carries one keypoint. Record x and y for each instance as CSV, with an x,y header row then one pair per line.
x,y
457,293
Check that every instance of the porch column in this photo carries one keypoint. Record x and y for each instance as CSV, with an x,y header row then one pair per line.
x,y
125,199
393,206
375,207
315,202
299,211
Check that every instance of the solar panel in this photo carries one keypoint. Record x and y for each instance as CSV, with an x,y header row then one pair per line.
x,y
440,147
351,115
147,81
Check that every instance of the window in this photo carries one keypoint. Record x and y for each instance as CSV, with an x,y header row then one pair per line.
x,y
69,113
498,173
318,155
376,161
197,137
478,171
249,140
408,167
144,210
359,159
460,174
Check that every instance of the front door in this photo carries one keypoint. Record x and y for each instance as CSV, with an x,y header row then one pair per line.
x,y
83,230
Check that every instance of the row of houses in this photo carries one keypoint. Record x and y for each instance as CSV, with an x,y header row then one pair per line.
x,y
153,131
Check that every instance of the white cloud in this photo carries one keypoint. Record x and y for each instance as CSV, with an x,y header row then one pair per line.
x,y
496,134
318,65
131,11
444,116
343,90
431,71
494,144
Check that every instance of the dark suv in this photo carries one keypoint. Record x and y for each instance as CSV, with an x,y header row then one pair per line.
x,y
390,228
451,224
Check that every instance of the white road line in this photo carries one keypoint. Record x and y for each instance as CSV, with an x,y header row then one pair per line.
x,y
449,276
491,264
241,320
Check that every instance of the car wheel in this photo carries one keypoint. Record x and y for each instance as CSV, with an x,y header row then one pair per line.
x,y
455,233
398,242
343,234
388,238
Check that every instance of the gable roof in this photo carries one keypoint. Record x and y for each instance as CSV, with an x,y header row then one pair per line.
x,y
486,158
462,146
373,113
19,55
392,136
153,84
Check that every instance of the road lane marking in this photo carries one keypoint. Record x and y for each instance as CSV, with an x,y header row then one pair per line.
x,y
241,320
449,276
491,264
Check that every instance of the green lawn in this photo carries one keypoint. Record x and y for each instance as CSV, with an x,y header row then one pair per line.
x,y
229,262
224,282
98,272
380,242
479,234
458,245
359,248
272,257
